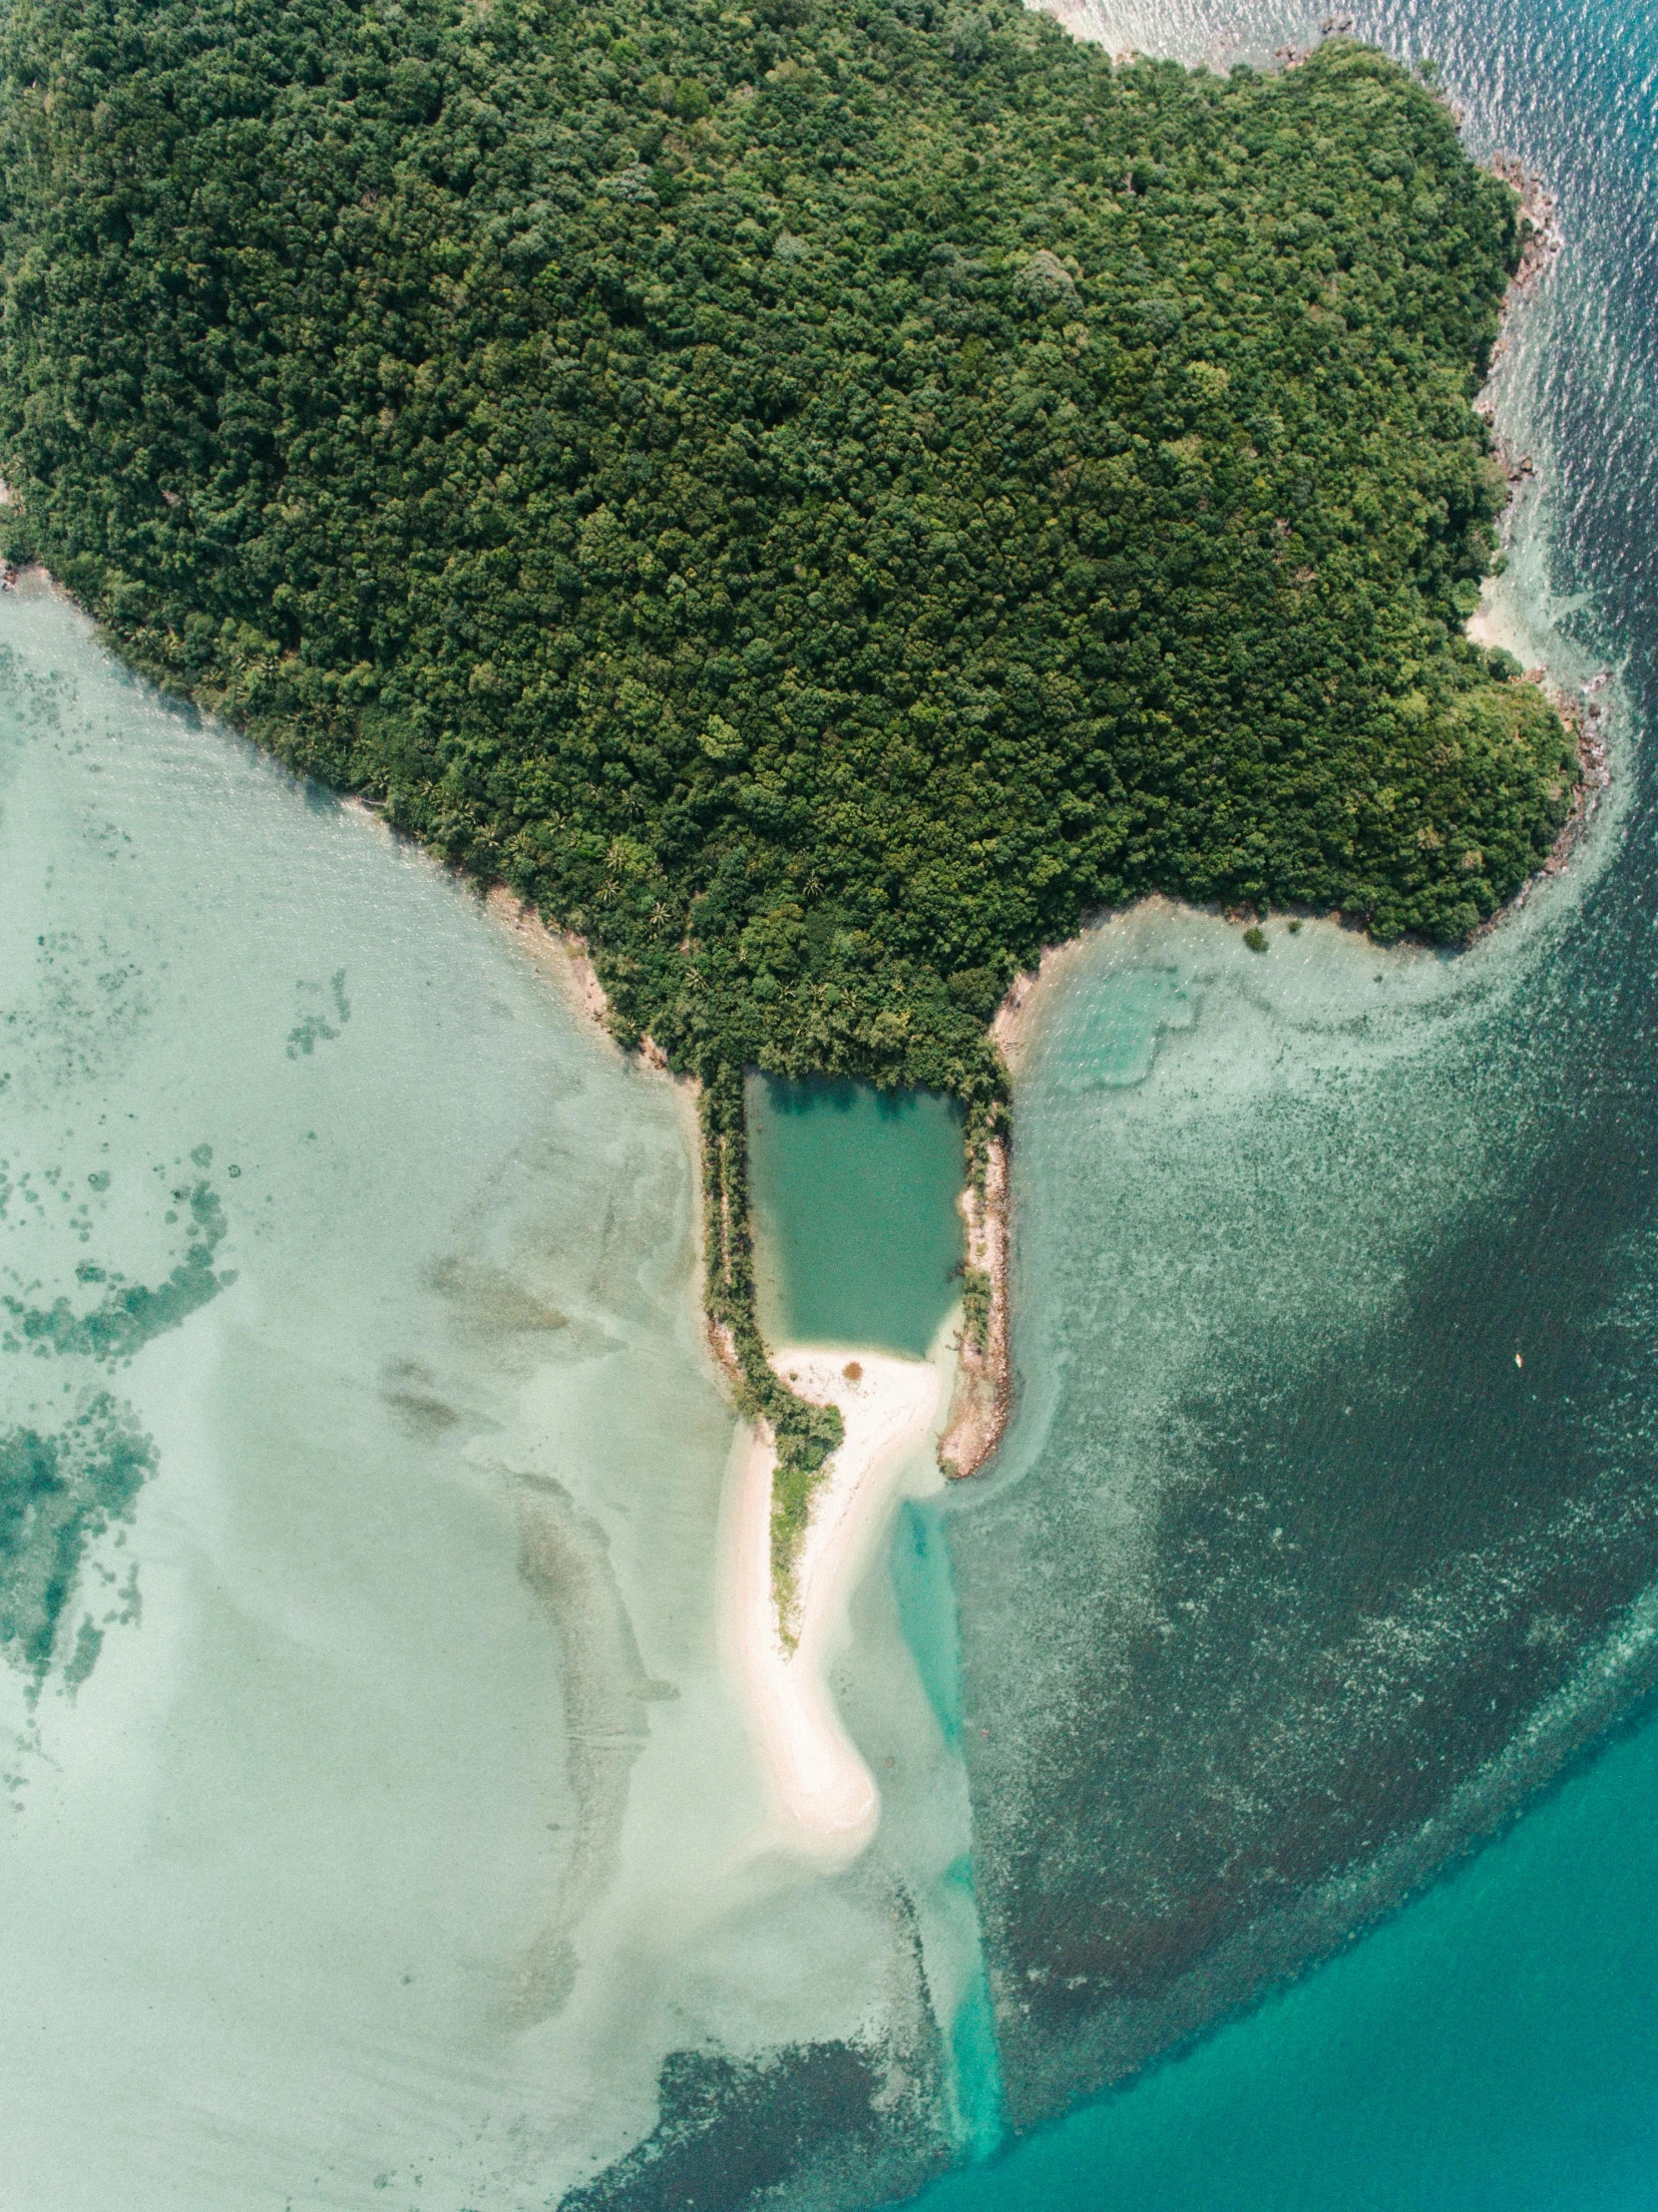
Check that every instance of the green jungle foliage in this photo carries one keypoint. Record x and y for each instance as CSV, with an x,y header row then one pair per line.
x,y
978,1293
804,1434
814,498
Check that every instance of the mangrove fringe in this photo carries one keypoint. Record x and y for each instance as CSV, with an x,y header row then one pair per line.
x,y
804,1435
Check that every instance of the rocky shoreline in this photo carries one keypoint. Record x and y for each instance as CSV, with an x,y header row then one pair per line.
x,y
983,1395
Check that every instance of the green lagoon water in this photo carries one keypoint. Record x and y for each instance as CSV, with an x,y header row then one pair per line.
x,y
382,1824
857,1241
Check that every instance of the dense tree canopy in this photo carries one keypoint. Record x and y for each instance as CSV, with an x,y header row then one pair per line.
x,y
815,498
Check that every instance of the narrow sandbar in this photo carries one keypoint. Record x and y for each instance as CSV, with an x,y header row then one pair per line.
x,y
823,1797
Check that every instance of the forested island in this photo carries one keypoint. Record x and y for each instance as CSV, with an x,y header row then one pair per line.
x,y
814,499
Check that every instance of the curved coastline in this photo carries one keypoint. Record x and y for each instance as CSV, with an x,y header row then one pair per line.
x,y
783,1637
824,1800
984,1386
983,1391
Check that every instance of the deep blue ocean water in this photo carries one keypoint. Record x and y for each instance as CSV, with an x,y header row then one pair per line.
x,y
1494,2041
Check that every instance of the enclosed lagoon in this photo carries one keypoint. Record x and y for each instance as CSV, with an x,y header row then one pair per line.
x,y
858,1237
391,1467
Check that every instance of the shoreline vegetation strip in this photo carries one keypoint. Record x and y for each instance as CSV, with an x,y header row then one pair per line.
x,y
813,501
802,1434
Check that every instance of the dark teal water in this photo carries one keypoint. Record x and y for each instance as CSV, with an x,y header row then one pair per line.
x,y
1225,1851
855,1213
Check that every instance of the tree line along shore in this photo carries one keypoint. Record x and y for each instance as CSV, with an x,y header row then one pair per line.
x,y
813,499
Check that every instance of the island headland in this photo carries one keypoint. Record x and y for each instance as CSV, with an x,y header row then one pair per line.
x,y
810,504
984,1386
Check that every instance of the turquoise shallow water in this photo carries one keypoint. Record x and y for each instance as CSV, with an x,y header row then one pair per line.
x,y
1335,1457
323,1219
1493,2049
858,1237
379,1816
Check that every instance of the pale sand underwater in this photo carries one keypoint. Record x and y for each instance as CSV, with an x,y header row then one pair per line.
x,y
402,1823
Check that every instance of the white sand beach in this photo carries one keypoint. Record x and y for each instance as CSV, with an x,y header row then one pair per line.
x,y
824,1799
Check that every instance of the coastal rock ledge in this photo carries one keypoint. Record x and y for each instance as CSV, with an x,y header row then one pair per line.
x,y
982,1394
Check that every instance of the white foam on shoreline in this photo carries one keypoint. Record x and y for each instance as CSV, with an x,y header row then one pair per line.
x,y
823,1798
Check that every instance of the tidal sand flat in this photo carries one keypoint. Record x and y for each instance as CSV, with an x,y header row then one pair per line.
x,y
387,1822
379,1814
858,1252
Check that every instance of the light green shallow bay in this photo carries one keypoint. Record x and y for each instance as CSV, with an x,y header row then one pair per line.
x,y
405,1817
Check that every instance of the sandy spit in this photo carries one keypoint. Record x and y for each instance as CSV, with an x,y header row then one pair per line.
x,y
823,1799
